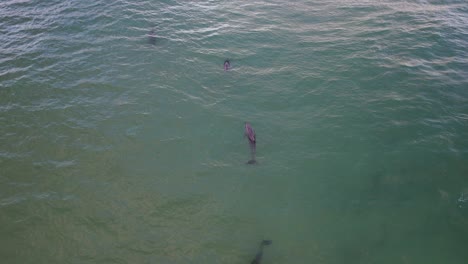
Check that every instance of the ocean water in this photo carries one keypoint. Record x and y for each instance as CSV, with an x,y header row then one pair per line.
x,y
114,149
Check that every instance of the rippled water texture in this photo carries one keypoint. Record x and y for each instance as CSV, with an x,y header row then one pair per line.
x,y
120,147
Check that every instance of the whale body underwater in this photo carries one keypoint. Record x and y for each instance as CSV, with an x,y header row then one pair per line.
x,y
250,134
258,257
227,65
152,37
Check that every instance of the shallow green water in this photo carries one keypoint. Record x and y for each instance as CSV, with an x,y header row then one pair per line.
x,y
114,150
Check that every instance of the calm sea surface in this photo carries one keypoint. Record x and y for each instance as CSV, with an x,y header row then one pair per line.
x,y
114,149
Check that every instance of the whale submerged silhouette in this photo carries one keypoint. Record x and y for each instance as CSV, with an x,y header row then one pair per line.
x,y
152,37
227,65
250,133
259,255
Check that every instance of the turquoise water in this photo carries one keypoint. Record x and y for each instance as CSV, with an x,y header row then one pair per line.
x,y
114,150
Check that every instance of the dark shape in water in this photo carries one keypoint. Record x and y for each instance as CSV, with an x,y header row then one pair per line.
x,y
152,37
259,255
227,65
250,133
